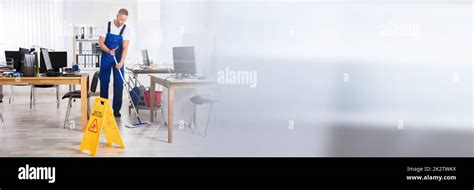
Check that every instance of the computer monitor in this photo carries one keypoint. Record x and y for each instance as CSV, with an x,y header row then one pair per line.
x,y
183,60
47,61
58,59
146,59
21,59
12,55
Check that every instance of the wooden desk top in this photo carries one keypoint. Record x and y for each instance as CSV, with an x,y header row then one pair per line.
x,y
42,80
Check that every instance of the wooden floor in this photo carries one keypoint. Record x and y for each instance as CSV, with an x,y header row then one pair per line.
x,y
39,132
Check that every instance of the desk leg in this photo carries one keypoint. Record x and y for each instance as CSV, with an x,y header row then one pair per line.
x,y
170,113
152,99
84,103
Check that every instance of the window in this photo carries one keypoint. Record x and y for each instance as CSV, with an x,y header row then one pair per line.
x,y
28,23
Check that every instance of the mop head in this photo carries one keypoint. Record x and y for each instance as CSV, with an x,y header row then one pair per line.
x,y
140,123
135,125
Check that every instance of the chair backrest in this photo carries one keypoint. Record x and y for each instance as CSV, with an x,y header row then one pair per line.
x,y
95,80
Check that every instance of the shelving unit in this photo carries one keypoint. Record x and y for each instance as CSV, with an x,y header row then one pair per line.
x,y
86,50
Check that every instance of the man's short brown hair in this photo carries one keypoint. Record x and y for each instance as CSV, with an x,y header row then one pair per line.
x,y
123,12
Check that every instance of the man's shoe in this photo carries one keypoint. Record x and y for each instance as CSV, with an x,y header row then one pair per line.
x,y
117,114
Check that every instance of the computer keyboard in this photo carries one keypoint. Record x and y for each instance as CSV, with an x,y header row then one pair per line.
x,y
53,74
189,77
70,75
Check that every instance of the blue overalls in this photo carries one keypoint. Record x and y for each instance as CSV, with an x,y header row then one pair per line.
x,y
107,64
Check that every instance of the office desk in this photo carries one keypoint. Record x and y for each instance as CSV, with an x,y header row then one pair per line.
x,y
168,81
138,71
81,80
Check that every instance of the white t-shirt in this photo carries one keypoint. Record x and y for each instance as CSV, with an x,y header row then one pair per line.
x,y
116,30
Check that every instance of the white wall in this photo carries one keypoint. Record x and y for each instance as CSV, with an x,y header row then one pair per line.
x,y
149,27
98,13
27,23
180,20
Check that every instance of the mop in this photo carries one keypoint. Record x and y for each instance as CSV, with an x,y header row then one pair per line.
x,y
140,123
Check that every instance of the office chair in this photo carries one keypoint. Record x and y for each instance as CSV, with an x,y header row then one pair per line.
x,y
30,71
33,94
77,95
18,66
199,100
11,95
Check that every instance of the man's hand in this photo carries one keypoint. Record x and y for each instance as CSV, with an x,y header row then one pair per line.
x,y
119,66
112,52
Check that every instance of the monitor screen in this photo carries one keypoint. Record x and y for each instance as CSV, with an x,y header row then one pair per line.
x,y
12,55
58,59
47,61
146,59
183,60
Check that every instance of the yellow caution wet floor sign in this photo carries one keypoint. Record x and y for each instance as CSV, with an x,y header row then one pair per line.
x,y
101,118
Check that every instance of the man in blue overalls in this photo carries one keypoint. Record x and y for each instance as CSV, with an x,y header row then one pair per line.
x,y
114,43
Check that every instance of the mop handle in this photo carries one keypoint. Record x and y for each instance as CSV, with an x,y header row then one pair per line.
x,y
123,79
125,84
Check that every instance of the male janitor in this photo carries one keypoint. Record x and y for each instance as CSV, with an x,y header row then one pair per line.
x,y
114,43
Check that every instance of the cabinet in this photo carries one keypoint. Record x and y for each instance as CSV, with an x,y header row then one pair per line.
x,y
86,50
